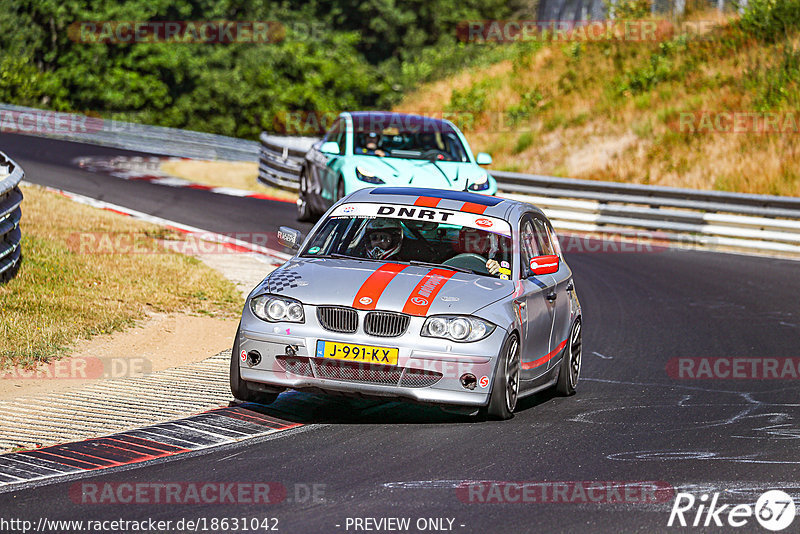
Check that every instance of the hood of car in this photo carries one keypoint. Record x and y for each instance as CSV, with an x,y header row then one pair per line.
x,y
421,173
369,285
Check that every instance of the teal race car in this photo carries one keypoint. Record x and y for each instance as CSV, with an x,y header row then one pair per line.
x,y
376,148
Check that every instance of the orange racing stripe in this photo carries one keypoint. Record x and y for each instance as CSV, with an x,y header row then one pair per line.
x,y
422,297
374,286
471,207
427,202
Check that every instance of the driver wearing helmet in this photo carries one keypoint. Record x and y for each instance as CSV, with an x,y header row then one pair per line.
x,y
383,238
372,140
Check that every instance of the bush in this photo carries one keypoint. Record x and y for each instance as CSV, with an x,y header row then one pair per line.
x,y
771,20
470,100
779,83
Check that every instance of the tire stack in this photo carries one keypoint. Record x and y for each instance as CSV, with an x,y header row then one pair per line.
x,y
11,175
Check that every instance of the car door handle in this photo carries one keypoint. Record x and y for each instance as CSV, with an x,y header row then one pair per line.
x,y
552,296
570,286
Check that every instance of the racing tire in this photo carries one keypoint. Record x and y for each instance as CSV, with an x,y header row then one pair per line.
x,y
304,211
505,388
570,371
239,388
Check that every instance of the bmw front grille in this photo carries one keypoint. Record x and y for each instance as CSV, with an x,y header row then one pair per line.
x,y
386,324
337,319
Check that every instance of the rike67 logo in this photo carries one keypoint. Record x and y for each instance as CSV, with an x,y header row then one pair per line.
x,y
774,510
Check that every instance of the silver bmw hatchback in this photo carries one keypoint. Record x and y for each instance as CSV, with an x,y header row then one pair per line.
x,y
442,297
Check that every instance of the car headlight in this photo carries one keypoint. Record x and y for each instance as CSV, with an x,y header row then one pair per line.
x,y
457,327
366,175
480,183
273,309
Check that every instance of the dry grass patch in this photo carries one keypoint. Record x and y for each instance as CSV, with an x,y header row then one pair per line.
x,y
87,272
610,110
235,174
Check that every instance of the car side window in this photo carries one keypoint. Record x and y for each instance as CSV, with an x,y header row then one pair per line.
x,y
529,247
337,134
333,133
543,238
553,239
342,139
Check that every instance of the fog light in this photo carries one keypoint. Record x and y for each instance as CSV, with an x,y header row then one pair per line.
x,y
253,358
468,381
291,351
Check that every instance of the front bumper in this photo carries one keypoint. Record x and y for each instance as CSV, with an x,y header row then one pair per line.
x,y
428,370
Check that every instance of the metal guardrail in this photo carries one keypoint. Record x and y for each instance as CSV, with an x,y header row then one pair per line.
x,y
760,223
11,175
127,135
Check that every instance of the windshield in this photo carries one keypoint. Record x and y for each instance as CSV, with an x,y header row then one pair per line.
x,y
392,142
450,243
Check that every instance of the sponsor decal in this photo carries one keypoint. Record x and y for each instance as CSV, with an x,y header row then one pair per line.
x,y
243,355
415,213
426,290
504,264
374,286
484,381
504,277
287,236
348,209
313,250
484,223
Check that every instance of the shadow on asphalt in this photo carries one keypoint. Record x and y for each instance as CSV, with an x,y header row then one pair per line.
x,y
310,408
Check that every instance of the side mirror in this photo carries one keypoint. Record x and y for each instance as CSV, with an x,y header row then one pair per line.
x,y
289,237
544,264
483,159
330,147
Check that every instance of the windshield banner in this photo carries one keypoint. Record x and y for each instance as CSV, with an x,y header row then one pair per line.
x,y
424,214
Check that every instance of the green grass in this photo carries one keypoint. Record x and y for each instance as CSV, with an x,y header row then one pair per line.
x,y
71,287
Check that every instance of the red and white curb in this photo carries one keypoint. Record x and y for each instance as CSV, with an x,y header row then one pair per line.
x,y
148,169
214,428
230,243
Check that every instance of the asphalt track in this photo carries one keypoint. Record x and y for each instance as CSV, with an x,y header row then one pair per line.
x,y
630,420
